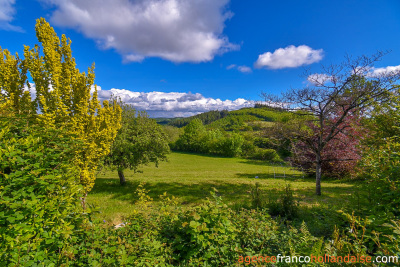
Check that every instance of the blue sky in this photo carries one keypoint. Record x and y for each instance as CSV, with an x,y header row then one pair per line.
x,y
182,57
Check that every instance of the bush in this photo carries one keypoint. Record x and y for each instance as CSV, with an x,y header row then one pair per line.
x,y
40,210
263,142
266,154
284,204
194,138
230,146
248,148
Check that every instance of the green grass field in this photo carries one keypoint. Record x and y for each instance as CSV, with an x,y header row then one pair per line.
x,y
191,178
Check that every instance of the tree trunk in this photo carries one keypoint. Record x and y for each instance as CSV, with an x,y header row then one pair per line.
x,y
318,176
83,201
121,177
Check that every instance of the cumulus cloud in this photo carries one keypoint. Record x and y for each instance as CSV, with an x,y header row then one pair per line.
x,y
389,70
160,104
289,57
165,105
175,30
244,69
7,12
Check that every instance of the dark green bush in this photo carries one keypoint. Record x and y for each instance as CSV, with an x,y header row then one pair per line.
x,y
40,209
266,154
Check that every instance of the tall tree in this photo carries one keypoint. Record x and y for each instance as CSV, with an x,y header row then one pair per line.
x,y
60,97
139,141
341,89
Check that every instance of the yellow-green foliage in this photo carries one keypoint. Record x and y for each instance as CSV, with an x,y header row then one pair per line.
x,y
13,75
65,97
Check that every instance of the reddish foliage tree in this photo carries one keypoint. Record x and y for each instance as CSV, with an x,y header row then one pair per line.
x,y
340,156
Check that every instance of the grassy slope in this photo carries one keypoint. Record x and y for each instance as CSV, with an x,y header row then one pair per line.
x,y
243,115
191,178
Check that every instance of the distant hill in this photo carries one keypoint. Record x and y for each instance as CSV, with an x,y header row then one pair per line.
x,y
235,120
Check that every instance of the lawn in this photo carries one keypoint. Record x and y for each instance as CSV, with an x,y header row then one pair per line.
x,y
191,177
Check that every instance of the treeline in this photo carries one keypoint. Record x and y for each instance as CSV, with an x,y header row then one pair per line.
x,y
205,118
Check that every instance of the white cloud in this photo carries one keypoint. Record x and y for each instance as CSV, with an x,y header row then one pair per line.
x,y
175,30
166,105
289,57
7,12
244,69
173,104
389,70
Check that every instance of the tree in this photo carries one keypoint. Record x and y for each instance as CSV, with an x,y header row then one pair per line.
x,y
193,138
339,157
139,141
343,89
60,97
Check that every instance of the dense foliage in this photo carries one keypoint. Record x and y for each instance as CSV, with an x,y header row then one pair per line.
x,y
210,234
40,208
196,138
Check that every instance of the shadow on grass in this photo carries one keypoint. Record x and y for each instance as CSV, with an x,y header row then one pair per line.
x,y
263,163
201,155
188,193
278,175
230,192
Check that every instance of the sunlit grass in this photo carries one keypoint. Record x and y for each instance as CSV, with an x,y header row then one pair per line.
x,y
191,177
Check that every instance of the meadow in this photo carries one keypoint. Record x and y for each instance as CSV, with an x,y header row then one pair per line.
x,y
191,177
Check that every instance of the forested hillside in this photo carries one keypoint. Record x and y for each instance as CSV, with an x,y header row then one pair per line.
x,y
246,132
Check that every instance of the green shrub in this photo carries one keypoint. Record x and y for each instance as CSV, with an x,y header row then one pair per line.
x,y
266,154
40,209
280,204
248,148
263,142
257,197
231,146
